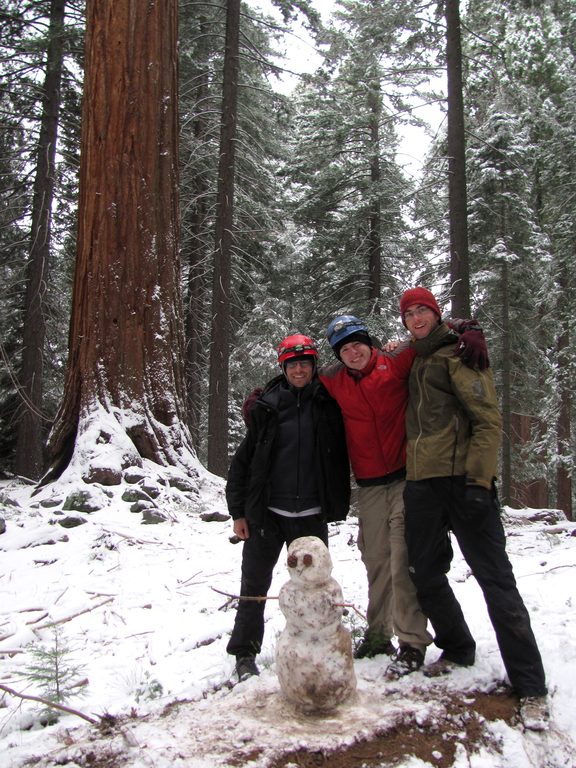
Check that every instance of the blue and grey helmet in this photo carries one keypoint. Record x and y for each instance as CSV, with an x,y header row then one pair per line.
x,y
343,328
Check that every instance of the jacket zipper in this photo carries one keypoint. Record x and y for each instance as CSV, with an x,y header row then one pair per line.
x,y
420,376
298,453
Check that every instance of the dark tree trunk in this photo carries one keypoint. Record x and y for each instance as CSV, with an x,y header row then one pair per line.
x,y
195,347
29,459
457,199
532,492
564,427
220,330
374,240
197,287
124,397
506,387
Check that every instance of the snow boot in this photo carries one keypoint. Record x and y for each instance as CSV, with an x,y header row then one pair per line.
x,y
406,661
534,713
442,666
246,667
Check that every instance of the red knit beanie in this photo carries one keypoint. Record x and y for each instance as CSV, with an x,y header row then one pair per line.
x,y
420,296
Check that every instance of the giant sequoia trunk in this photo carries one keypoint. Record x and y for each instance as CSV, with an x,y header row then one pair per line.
x,y
124,392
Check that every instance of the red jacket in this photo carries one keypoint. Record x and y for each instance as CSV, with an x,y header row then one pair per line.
x,y
373,403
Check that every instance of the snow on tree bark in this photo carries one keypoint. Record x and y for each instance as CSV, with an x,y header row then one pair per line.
x,y
126,332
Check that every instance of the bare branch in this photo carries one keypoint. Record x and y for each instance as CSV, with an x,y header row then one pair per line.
x,y
48,703
240,597
268,597
73,615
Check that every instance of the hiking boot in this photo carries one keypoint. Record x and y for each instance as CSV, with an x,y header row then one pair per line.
x,y
406,661
373,644
534,713
442,666
246,667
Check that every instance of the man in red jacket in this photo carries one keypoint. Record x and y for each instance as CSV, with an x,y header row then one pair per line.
x,y
370,386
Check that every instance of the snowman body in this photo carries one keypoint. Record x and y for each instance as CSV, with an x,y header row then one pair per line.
x,y
314,651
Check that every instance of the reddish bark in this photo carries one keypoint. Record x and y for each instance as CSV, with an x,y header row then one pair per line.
x,y
126,333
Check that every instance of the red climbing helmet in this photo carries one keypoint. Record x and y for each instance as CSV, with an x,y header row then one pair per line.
x,y
296,345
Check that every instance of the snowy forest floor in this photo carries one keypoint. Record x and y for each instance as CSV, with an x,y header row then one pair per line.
x,y
138,606
462,723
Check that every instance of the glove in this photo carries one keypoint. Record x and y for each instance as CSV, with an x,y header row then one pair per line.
x,y
471,347
248,403
478,503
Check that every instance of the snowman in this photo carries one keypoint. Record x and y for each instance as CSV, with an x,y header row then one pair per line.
x,y
314,651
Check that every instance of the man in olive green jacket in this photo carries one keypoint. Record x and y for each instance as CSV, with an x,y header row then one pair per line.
x,y
453,428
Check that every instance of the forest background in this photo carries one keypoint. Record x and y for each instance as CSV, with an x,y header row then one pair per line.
x,y
169,213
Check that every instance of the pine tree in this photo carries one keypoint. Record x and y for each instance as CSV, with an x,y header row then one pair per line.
x,y
350,193
29,460
259,240
507,255
29,50
517,60
53,669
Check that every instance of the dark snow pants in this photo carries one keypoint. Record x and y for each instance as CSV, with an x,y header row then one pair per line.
x,y
259,556
433,509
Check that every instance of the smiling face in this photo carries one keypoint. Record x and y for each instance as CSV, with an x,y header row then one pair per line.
x,y
420,320
299,372
355,355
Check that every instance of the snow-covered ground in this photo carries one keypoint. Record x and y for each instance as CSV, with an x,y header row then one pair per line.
x,y
137,607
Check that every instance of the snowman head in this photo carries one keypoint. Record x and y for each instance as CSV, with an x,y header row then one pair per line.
x,y
309,561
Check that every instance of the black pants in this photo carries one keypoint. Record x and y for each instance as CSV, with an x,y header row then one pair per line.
x,y
432,511
259,556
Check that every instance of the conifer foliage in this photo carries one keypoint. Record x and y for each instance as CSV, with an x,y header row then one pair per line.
x,y
53,669
521,80
39,54
326,216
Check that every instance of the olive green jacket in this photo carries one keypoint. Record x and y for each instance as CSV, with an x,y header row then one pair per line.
x,y
453,423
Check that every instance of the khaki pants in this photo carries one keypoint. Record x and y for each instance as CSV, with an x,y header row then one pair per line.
x,y
392,605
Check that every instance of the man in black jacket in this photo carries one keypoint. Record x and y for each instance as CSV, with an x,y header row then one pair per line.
x,y
288,478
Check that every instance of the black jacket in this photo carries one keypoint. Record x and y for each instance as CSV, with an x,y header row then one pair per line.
x,y
315,473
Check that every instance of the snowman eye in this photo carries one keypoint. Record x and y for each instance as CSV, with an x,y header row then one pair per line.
x,y
308,560
292,561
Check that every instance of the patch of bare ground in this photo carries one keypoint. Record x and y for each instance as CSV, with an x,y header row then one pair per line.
x,y
463,721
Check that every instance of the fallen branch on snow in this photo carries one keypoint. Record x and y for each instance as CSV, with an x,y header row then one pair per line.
x,y
50,704
73,615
